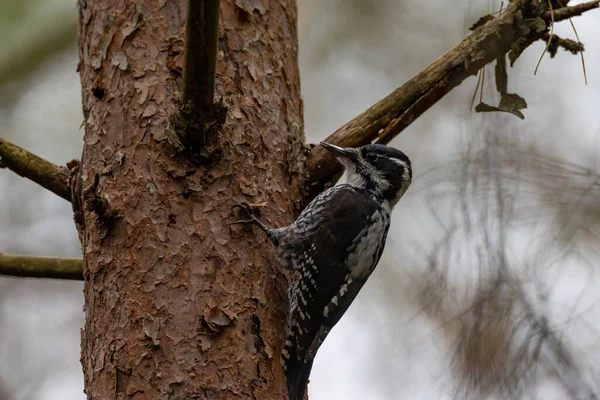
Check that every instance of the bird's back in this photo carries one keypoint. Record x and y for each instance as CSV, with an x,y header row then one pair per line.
x,y
334,245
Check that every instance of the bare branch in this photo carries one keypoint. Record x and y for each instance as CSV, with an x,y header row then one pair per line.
x,y
198,114
41,267
574,11
201,35
30,166
515,29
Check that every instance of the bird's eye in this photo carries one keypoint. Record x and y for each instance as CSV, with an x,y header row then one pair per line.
x,y
372,157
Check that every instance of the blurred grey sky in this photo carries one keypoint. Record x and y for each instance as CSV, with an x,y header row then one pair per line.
x,y
500,209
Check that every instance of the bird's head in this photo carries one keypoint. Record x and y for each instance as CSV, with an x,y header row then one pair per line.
x,y
382,170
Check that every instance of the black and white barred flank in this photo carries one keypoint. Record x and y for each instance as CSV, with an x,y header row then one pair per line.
x,y
333,247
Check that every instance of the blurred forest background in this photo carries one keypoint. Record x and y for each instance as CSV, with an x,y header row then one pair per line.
x,y
489,286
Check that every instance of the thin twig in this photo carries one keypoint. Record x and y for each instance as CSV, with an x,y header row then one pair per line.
x,y
482,84
476,89
41,267
30,166
198,81
581,52
578,10
549,40
387,118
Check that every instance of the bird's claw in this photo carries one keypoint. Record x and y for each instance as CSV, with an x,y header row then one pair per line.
x,y
248,210
246,207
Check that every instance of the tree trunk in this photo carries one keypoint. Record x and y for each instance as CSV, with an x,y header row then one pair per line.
x,y
179,305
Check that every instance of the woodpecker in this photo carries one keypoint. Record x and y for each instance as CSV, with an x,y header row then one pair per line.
x,y
333,247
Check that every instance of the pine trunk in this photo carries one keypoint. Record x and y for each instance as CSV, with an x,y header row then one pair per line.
x,y
180,305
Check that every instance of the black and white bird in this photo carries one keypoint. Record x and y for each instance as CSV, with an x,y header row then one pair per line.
x,y
333,247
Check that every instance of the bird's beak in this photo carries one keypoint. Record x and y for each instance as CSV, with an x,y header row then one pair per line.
x,y
347,153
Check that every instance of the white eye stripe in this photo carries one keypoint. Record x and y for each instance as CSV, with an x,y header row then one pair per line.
x,y
399,162
407,168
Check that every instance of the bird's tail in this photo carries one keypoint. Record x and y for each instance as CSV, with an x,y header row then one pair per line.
x,y
297,370
297,378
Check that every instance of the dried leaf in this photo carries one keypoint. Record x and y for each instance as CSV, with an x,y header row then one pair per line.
x,y
483,107
481,21
517,49
510,103
501,75
513,103
535,25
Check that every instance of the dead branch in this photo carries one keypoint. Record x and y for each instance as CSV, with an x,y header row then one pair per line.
x,y
574,11
41,267
199,116
30,166
519,25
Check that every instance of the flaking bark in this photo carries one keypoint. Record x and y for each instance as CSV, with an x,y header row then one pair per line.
x,y
179,305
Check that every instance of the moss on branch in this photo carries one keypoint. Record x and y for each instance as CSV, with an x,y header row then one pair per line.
x,y
41,267
40,171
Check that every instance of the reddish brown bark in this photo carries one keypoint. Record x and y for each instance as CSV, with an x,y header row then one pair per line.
x,y
179,305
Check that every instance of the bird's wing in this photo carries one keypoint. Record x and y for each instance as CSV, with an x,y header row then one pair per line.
x,y
322,256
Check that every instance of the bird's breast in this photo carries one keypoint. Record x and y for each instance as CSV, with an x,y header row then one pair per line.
x,y
366,249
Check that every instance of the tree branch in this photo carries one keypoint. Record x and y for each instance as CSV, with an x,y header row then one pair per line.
x,y
41,267
519,25
199,116
30,166
574,11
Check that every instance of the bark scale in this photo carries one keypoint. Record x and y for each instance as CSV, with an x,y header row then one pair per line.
x,y
179,305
